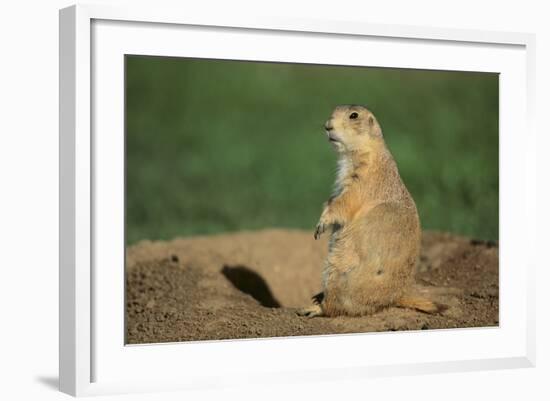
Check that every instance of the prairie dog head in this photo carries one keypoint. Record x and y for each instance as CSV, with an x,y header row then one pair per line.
x,y
352,128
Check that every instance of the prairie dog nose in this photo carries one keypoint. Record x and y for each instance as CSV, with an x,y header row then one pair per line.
x,y
328,125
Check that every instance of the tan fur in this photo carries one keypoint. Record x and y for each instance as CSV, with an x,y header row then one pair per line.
x,y
418,303
374,224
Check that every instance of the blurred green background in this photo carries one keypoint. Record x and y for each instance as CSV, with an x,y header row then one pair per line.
x,y
215,146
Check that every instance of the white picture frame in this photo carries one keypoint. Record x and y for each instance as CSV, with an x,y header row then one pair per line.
x,y
93,357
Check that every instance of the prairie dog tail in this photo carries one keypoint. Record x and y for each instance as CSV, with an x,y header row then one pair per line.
x,y
420,303
422,298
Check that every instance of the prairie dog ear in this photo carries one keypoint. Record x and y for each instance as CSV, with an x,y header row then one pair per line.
x,y
371,120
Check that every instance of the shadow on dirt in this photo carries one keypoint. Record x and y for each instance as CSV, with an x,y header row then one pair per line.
x,y
248,281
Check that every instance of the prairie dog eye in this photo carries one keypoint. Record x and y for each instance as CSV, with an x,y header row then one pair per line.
x,y
353,116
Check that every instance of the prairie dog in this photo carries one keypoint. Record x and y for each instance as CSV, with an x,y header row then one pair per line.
x,y
375,230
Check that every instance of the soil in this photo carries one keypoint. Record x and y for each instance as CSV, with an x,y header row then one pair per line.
x,y
249,284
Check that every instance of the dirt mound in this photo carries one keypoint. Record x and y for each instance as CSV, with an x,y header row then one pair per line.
x,y
248,284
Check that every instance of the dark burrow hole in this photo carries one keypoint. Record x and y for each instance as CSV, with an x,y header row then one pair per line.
x,y
487,243
248,281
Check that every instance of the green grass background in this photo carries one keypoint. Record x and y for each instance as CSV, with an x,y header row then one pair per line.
x,y
216,146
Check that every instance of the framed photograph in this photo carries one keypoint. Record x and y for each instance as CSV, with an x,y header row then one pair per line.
x,y
277,200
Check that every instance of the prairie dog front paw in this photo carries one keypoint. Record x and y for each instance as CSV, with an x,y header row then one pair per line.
x,y
323,224
320,229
